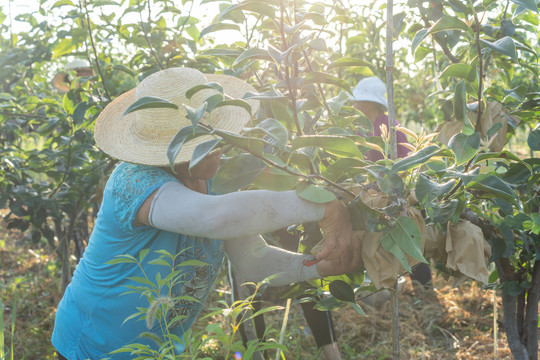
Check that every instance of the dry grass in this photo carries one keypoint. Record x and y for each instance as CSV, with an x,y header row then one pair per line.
x,y
448,323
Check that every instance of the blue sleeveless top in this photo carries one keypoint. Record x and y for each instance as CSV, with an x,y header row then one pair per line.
x,y
91,318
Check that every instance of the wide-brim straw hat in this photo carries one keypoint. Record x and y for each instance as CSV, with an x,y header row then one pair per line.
x,y
61,79
143,136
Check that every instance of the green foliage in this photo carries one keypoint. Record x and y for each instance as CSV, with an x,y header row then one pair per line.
x,y
303,58
160,295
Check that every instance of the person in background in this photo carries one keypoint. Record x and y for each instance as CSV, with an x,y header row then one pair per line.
x,y
150,208
63,79
369,96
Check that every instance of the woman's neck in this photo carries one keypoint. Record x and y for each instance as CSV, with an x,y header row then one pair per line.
x,y
198,185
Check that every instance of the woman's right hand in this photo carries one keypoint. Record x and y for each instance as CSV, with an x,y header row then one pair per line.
x,y
341,249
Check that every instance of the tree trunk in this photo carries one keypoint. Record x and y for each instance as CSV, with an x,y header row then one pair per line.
x,y
510,320
531,316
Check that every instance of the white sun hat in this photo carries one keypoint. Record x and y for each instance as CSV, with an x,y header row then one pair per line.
x,y
370,89
143,136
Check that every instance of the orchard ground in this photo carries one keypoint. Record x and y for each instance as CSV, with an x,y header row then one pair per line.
x,y
447,323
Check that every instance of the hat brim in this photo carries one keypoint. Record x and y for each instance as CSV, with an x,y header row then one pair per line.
x,y
370,98
116,134
59,81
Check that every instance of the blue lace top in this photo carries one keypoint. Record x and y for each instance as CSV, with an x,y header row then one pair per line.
x,y
91,318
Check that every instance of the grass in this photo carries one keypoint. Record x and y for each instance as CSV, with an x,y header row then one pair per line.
x,y
448,323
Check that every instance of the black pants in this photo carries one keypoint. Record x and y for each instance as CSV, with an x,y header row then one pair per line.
x,y
320,322
60,357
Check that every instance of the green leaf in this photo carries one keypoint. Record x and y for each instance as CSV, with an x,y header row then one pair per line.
x,y
237,173
421,53
447,22
328,303
358,309
253,145
364,217
212,101
314,193
342,167
142,280
60,3
202,150
282,112
426,190
460,102
185,134
505,46
195,115
149,102
324,78
64,47
341,291
253,53
160,261
418,37
465,147
391,183
336,145
274,129
275,180
142,254
80,112
268,95
253,6
519,173
218,27
393,248
528,4
503,155
406,237
197,88
462,71
533,140
220,52
235,102
336,103
494,186
349,62
122,259
192,262
418,158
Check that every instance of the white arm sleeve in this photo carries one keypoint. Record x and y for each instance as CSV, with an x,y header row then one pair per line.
x,y
178,209
254,260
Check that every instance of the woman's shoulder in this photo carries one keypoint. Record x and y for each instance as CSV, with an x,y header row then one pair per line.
x,y
129,176
128,170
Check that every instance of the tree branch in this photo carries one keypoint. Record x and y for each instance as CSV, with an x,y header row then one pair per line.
x,y
94,49
478,126
443,46
284,47
145,33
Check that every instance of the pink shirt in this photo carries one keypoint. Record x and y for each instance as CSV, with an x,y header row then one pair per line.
x,y
375,155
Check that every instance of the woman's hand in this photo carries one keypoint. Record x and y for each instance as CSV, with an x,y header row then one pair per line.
x,y
341,249
338,266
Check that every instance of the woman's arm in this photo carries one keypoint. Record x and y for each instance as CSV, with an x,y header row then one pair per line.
x,y
179,209
254,260
176,208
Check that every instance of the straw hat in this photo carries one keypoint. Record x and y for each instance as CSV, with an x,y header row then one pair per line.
x,y
370,89
61,80
143,136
